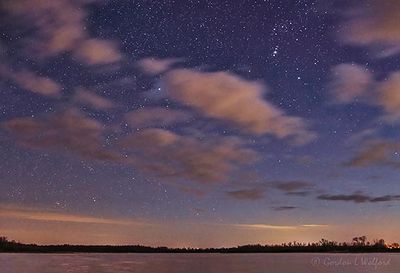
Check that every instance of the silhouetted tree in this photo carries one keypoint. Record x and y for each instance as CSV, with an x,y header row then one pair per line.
x,y
379,243
362,240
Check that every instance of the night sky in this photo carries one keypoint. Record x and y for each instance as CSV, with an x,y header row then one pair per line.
x,y
199,123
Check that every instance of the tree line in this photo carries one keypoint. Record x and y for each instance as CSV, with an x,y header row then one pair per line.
x,y
358,244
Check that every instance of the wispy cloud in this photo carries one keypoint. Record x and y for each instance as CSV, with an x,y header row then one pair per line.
x,y
280,227
314,225
294,188
247,194
376,152
52,216
359,197
284,208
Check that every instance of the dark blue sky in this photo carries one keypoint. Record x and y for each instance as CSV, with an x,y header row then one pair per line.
x,y
274,119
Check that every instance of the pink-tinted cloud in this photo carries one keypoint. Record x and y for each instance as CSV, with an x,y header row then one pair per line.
x,y
57,27
154,66
185,158
389,97
158,152
228,97
93,100
69,131
53,216
32,82
375,25
350,82
280,227
375,153
97,51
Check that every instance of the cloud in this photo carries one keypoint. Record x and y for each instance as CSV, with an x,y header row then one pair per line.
x,y
56,27
358,197
165,154
248,194
265,226
300,188
154,66
96,51
385,198
359,137
157,152
375,153
299,193
389,97
283,208
228,97
314,225
68,131
31,82
291,187
350,82
52,216
375,25
281,227
156,116
93,100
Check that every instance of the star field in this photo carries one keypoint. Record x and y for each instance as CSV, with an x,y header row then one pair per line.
x,y
193,123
